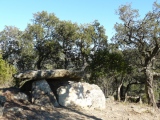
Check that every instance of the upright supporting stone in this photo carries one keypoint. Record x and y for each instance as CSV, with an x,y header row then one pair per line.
x,y
82,95
42,94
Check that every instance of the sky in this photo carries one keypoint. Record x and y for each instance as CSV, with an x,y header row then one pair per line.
x,y
19,13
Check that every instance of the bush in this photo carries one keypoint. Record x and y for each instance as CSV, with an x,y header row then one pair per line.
x,y
6,71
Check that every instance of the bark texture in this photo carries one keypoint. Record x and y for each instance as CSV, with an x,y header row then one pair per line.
x,y
149,88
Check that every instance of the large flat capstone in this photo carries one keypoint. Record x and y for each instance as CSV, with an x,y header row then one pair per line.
x,y
49,74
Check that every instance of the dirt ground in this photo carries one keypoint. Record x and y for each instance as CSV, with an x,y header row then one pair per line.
x,y
16,110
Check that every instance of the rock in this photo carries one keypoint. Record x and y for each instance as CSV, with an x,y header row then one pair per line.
x,y
14,109
42,94
49,74
82,95
8,95
21,97
42,108
2,102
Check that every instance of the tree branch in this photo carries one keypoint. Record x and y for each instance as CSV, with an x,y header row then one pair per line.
x,y
155,74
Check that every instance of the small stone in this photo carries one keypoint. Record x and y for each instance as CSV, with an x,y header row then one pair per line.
x,y
21,97
15,109
42,108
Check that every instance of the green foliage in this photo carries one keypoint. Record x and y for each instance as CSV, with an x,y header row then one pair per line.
x,y
105,63
6,71
141,35
66,34
42,39
52,42
10,43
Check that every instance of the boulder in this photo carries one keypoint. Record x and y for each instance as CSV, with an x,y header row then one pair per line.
x,y
49,74
2,102
83,95
21,97
42,94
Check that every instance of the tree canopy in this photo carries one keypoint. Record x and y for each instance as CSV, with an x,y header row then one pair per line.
x,y
143,36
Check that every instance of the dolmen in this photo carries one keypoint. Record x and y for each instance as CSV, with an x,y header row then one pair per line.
x,y
60,87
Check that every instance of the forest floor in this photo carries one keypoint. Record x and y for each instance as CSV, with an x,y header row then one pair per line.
x,y
16,110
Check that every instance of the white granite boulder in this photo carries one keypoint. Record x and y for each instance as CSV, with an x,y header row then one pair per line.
x,y
83,95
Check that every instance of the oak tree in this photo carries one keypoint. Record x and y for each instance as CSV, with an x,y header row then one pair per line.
x,y
144,36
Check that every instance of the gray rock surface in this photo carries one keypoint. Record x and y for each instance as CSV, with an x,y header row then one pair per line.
x,y
82,95
42,94
2,102
49,74
14,109
21,97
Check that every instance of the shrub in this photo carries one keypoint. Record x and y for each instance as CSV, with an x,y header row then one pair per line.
x,y
6,71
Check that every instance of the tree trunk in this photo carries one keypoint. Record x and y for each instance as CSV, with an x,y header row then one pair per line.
x,y
119,92
149,88
39,64
125,94
126,97
65,62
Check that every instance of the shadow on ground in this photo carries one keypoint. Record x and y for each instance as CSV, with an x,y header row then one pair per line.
x,y
17,110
